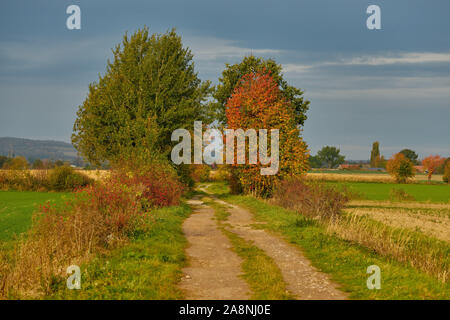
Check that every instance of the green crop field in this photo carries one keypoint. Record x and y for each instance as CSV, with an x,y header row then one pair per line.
x,y
16,209
381,191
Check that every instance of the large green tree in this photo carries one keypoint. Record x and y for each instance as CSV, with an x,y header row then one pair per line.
x,y
330,156
251,64
149,89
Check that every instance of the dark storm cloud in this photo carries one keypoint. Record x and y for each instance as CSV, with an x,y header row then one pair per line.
x,y
391,85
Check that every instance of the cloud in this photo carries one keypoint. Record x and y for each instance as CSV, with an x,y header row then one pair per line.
x,y
216,49
410,57
384,59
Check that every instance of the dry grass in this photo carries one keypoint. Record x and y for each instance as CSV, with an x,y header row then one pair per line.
x,y
422,252
390,204
93,174
434,223
96,174
365,177
351,177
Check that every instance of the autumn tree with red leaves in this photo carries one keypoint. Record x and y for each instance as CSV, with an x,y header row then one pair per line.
x,y
257,103
431,163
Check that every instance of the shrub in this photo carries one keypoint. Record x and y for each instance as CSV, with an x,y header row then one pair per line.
x,y
233,181
400,194
58,179
200,172
446,176
65,178
23,180
221,173
17,163
159,182
310,198
400,167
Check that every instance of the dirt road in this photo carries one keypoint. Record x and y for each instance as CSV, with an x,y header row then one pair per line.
x,y
214,269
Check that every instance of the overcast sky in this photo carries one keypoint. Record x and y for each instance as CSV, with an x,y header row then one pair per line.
x,y
390,85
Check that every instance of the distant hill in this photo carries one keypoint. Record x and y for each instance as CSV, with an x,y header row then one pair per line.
x,y
37,149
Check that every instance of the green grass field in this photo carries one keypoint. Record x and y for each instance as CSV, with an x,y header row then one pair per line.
x,y
16,209
380,191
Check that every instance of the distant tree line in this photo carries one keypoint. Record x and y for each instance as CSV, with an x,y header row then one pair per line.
x,y
21,163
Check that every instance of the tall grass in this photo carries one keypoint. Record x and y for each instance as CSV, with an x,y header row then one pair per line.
x,y
312,199
415,249
100,217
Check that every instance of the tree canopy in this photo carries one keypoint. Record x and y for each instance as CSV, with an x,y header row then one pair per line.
x,y
411,155
258,103
149,89
251,64
431,163
400,167
330,156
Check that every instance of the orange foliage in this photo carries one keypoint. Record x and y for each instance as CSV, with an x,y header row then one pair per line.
x,y
400,167
257,103
430,164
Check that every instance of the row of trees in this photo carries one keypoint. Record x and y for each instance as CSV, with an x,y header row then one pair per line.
x,y
21,163
378,161
151,88
401,167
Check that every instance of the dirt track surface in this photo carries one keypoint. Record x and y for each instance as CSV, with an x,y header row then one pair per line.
x,y
302,279
214,269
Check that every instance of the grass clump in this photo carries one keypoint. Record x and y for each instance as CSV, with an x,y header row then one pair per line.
x,y
400,195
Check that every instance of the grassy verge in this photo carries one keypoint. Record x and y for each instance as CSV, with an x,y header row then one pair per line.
x,y
149,267
345,261
260,271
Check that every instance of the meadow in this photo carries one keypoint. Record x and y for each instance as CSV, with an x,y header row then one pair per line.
x,y
436,193
16,209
